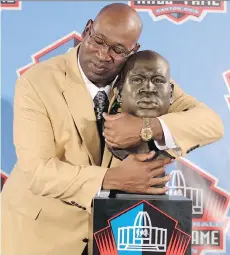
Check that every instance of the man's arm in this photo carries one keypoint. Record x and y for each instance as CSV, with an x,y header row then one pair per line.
x,y
167,141
36,152
190,122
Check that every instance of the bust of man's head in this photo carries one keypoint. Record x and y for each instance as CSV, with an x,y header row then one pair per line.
x,y
144,90
144,85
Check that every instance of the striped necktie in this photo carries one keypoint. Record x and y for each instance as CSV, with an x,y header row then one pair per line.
x,y
101,104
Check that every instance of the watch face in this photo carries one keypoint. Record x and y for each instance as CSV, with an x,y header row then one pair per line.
x,y
146,134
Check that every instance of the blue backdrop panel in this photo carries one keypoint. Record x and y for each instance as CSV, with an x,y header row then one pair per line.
x,y
193,35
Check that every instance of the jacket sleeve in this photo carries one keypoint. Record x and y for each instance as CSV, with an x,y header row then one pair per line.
x,y
35,147
192,123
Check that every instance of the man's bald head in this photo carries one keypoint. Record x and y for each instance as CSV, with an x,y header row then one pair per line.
x,y
108,41
122,16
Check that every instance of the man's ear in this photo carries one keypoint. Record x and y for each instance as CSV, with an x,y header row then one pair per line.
x,y
171,92
137,47
87,27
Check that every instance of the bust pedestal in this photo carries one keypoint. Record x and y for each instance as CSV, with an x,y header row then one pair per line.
x,y
140,224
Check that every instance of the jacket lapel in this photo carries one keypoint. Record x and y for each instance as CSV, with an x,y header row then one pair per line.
x,y
81,107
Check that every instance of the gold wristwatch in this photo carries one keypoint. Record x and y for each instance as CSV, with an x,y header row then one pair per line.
x,y
146,131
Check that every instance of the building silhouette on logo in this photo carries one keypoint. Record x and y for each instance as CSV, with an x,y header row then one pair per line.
x,y
142,236
177,187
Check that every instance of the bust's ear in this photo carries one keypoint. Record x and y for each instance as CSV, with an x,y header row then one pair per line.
x,y
171,92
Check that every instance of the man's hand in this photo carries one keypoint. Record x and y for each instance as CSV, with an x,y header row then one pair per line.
x,y
133,175
122,130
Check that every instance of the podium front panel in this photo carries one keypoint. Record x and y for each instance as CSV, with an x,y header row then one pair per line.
x,y
137,225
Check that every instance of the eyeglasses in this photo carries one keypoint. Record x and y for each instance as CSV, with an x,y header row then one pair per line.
x,y
115,51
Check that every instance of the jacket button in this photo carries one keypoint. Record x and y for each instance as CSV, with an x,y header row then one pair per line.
x,y
85,240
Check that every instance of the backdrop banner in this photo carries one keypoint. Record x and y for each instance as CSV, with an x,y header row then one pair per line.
x,y
193,35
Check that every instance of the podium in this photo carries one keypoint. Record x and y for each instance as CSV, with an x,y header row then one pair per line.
x,y
140,224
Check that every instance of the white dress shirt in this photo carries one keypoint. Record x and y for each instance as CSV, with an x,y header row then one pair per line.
x,y
93,89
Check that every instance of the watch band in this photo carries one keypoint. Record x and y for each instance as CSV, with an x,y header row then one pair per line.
x,y
146,123
146,131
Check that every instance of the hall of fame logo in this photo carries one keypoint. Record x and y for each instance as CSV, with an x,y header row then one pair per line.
x,y
58,47
4,177
179,12
210,206
132,231
226,76
10,5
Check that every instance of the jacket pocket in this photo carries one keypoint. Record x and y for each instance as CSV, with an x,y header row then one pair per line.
x,y
25,205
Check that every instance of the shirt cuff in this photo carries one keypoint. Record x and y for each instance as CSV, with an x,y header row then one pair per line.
x,y
103,193
169,141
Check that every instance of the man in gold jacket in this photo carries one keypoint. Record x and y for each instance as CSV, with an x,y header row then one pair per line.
x,y
47,198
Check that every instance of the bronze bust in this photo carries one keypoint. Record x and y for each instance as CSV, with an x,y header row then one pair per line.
x,y
144,90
